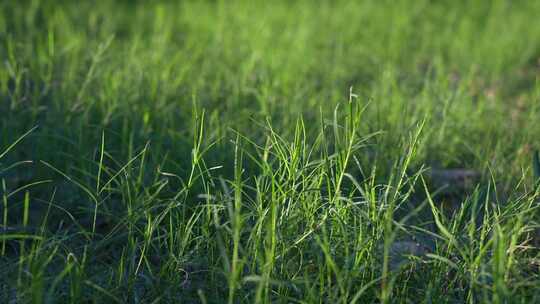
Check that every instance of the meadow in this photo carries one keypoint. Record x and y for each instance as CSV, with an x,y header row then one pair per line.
x,y
269,152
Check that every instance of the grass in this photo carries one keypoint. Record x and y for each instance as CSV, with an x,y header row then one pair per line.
x,y
257,152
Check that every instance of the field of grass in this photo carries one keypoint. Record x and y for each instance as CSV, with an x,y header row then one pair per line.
x,y
269,152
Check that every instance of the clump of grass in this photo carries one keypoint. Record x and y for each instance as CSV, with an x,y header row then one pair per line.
x,y
204,152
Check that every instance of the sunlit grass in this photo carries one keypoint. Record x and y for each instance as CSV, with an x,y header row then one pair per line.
x,y
239,152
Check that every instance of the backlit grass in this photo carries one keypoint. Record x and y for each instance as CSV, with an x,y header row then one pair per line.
x,y
269,152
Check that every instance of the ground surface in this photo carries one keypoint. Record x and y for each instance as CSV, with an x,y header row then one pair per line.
x,y
286,151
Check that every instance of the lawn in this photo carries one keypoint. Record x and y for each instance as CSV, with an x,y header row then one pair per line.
x,y
269,152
